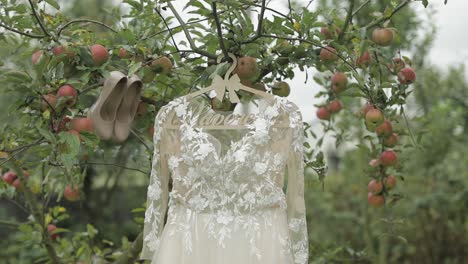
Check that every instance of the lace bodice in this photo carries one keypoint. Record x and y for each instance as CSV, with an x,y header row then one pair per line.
x,y
233,174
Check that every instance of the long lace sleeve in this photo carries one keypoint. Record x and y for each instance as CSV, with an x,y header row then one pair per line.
x,y
296,211
158,192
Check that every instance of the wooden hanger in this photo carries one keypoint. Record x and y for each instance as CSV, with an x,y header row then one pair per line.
x,y
233,84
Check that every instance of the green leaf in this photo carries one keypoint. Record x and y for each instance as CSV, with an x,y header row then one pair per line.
x,y
133,68
426,3
53,3
91,230
138,210
17,77
46,134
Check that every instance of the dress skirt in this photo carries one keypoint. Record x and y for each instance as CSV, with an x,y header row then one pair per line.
x,y
186,228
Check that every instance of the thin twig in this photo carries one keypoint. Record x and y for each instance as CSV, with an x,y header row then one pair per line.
x,y
140,139
38,19
37,142
187,34
167,26
260,24
398,8
83,20
218,28
360,7
98,163
21,207
349,17
21,33
9,223
409,128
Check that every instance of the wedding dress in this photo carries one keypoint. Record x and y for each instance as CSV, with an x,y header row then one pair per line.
x,y
227,204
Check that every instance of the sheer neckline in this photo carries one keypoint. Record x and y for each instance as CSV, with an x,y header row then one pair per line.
x,y
259,129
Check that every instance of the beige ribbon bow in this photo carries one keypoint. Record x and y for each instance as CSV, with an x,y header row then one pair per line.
x,y
232,84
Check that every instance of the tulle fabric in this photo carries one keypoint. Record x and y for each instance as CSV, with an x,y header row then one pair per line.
x,y
238,249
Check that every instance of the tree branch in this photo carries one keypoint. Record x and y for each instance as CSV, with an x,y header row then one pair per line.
x,y
260,24
83,20
38,19
218,28
32,203
21,33
167,26
187,34
9,223
349,17
100,163
378,21
37,142
360,7
132,252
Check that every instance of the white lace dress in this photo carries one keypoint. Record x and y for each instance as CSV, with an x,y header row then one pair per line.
x,y
227,204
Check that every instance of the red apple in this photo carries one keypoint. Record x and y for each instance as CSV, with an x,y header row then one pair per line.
x,y
36,56
9,177
374,162
388,158
391,140
162,64
71,193
323,113
374,117
246,68
375,200
329,35
382,36
51,229
390,182
82,124
375,186
68,90
328,54
368,106
335,106
99,53
406,76
339,82
396,65
50,100
58,50
123,53
385,129
364,60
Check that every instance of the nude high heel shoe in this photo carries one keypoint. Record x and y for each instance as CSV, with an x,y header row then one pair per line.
x,y
104,111
127,109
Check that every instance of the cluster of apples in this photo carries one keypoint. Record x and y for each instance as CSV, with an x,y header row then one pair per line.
x,y
98,52
384,37
11,178
339,82
376,122
328,53
405,74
